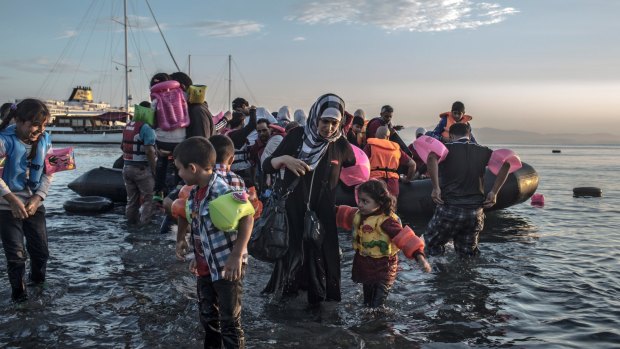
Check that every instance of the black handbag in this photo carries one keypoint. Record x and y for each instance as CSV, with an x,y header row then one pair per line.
x,y
269,239
313,230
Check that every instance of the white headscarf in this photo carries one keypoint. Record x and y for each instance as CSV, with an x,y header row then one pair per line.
x,y
314,145
263,113
284,114
300,117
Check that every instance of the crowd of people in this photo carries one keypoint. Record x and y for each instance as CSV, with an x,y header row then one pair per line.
x,y
179,148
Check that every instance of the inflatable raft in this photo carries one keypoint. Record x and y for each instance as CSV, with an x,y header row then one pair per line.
x,y
102,181
414,199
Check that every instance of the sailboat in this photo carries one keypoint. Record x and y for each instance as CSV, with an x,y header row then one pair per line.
x,y
81,120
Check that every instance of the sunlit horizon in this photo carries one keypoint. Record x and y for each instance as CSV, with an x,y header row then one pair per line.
x,y
516,65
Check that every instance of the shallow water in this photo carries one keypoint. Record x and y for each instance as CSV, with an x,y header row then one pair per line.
x,y
547,278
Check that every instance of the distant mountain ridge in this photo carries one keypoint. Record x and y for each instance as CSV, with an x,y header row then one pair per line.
x,y
487,135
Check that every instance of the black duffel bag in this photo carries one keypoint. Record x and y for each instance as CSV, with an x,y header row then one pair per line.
x,y
269,240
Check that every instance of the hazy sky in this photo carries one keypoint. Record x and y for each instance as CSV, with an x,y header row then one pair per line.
x,y
544,66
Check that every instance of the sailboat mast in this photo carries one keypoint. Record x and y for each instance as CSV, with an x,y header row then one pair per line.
x,y
229,81
126,63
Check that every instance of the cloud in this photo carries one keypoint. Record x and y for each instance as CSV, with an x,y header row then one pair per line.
x,y
299,38
39,65
139,22
405,15
225,29
67,34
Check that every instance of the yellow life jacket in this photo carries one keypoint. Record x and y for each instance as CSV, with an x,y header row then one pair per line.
x,y
450,121
369,239
384,158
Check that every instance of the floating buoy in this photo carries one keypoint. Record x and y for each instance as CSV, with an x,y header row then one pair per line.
x,y
587,192
88,204
556,151
538,200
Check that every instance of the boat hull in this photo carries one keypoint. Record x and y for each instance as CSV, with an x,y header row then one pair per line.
x,y
414,199
87,138
101,181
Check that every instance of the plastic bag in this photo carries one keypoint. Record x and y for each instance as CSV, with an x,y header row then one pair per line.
x,y
269,240
61,159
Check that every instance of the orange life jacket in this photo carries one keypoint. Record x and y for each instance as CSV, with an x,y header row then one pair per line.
x,y
450,121
384,158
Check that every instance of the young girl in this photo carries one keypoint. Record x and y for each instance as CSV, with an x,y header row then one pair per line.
x,y
23,187
377,237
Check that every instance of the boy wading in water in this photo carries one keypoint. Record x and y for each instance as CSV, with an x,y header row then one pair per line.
x,y
225,253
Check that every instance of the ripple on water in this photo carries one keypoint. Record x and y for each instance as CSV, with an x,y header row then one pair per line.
x,y
547,278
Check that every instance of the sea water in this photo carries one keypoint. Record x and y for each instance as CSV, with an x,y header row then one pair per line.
x,y
547,278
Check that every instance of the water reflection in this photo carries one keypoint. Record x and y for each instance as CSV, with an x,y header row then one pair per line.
x,y
508,226
546,278
463,309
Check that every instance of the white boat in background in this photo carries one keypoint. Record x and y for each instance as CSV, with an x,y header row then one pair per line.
x,y
80,120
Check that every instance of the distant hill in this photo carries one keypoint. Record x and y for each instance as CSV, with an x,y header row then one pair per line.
x,y
496,136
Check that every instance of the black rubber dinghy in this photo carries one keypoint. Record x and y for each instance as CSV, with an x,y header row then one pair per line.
x,y
414,199
102,181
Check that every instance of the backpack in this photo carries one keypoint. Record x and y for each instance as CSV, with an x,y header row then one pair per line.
x,y
170,105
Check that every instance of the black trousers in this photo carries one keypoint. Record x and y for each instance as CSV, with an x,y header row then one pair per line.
x,y
220,312
375,294
13,232
166,174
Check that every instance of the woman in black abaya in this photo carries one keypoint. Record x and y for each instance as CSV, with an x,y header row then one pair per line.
x,y
320,150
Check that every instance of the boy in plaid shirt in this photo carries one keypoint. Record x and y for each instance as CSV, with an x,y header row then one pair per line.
x,y
224,254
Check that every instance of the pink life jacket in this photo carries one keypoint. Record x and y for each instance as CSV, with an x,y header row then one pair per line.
x,y
170,105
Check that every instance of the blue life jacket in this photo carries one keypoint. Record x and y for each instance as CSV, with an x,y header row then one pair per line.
x,y
17,164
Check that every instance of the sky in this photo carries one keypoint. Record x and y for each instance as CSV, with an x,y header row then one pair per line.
x,y
549,66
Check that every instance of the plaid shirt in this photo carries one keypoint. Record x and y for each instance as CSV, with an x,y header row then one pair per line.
x,y
216,244
234,180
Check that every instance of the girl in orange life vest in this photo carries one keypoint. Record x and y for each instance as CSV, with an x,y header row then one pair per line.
x,y
377,237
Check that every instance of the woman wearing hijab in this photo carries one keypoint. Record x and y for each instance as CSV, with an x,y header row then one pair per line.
x,y
318,150
300,117
284,116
